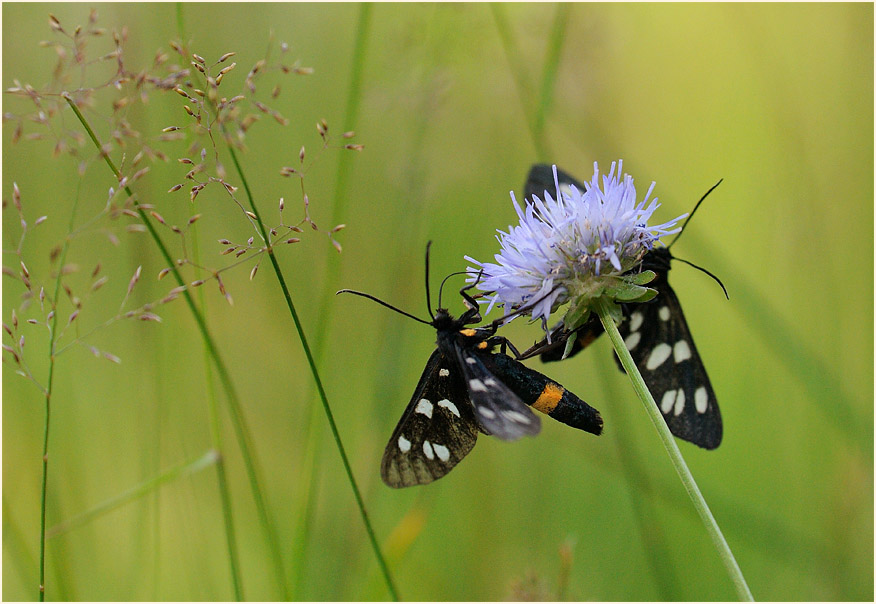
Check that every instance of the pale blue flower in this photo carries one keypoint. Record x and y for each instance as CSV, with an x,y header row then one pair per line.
x,y
574,246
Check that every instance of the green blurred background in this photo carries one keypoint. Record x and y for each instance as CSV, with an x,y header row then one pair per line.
x,y
453,103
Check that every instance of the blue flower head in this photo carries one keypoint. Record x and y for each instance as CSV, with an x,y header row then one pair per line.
x,y
576,246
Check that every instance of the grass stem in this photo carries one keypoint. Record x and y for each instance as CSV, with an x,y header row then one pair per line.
x,y
53,338
237,418
323,320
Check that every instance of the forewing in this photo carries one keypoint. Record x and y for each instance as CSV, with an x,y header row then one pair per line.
x,y
499,411
436,431
541,179
660,342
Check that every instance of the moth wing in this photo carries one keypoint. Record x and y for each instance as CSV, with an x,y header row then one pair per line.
x,y
541,180
499,410
660,342
436,430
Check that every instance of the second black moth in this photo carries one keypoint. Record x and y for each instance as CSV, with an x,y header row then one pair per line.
x,y
657,336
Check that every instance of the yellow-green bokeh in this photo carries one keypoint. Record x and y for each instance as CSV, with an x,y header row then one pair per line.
x,y
776,99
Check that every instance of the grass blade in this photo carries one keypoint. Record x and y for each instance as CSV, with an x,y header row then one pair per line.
x,y
144,488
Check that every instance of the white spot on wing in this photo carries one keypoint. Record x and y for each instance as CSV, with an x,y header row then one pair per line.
x,y
667,402
441,451
471,360
658,356
701,399
487,412
449,406
477,385
663,313
633,340
491,382
515,416
443,372
682,351
404,444
679,402
427,449
424,407
636,321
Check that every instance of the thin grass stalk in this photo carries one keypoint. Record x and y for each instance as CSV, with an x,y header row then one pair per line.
x,y
675,456
317,380
237,419
549,70
48,396
313,447
227,515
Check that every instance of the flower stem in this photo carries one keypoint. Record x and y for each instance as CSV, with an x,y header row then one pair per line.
x,y
671,447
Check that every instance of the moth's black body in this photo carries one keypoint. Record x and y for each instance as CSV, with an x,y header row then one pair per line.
x,y
679,384
467,387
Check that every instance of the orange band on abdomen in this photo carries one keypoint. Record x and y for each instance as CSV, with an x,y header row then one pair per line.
x,y
549,398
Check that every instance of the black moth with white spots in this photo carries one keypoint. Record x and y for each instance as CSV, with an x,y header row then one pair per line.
x,y
658,338
467,387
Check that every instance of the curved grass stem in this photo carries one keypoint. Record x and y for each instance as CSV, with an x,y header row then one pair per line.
x,y
234,403
672,450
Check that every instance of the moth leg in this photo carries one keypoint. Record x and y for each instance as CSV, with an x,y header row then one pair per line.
x,y
504,344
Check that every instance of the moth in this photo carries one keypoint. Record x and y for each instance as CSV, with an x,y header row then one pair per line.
x,y
656,334
468,387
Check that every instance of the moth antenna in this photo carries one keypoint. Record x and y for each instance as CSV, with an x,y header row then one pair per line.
x,y
699,268
428,295
382,303
677,237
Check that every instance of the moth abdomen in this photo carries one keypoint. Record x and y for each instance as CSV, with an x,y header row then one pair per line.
x,y
546,395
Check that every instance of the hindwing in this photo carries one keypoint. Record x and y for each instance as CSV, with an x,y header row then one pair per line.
x,y
499,411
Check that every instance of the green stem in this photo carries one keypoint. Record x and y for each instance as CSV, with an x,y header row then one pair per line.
x,y
237,417
238,421
50,381
693,491
319,387
351,117
46,471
